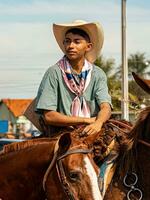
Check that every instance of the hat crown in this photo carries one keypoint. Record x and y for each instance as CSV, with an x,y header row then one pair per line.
x,y
78,21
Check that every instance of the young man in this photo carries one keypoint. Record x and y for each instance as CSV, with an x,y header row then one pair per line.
x,y
74,91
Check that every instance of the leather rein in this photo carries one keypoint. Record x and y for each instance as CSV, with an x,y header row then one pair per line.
x,y
114,124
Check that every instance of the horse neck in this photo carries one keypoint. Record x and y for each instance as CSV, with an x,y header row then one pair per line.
x,y
42,151
143,155
28,166
140,131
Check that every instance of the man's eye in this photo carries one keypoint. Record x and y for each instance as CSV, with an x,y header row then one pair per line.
x,y
67,41
77,41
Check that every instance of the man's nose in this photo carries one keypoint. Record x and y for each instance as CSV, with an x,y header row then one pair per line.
x,y
71,44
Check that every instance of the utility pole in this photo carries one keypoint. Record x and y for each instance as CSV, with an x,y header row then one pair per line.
x,y
125,99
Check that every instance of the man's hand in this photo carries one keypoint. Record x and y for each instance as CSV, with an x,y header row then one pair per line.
x,y
93,128
102,117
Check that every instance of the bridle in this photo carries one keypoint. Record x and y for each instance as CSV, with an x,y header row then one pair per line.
x,y
57,160
132,186
61,171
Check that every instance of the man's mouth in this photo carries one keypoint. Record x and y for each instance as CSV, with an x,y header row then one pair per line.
x,y
71,52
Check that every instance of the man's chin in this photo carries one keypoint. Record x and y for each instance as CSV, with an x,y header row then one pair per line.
x,y
72,57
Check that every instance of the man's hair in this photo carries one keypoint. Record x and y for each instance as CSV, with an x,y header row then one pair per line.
x,y
80,32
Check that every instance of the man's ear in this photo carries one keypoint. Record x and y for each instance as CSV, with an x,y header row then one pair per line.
x,y
89,46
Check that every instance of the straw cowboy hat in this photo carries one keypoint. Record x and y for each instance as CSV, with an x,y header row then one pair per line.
x,y
93,29
143,83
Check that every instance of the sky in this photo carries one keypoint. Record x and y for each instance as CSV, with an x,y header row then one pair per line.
x,y
28,47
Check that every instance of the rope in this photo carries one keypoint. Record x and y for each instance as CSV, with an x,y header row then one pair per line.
x,y
51,164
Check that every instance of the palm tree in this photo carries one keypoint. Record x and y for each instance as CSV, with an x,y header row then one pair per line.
x,y
114,84
138,63
106,64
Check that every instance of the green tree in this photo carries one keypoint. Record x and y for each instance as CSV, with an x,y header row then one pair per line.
x,y
138,63
108,65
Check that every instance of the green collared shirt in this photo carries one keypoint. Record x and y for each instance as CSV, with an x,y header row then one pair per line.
x,y
53,94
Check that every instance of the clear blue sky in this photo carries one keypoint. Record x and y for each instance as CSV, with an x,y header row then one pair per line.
x,y
28,48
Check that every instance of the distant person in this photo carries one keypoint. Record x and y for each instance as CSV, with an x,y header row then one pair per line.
x,y
74,91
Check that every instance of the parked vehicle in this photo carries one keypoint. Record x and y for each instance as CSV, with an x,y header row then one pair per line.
x,y
35,133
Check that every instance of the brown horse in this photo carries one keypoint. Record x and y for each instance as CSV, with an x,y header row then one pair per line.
x,y
26,170
135,162
28,167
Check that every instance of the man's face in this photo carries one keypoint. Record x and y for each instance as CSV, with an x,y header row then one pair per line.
x,y
76,46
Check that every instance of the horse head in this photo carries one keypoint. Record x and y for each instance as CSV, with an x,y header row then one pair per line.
x,y
141,129
143,83
74,173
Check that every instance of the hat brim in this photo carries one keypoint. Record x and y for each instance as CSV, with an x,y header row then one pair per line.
x,y
94,30
143,83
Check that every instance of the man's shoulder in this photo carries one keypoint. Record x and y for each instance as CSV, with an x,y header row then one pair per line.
x,y
97,71
53,68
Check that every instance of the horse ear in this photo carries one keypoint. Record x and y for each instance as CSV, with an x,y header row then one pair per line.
x,y
64,143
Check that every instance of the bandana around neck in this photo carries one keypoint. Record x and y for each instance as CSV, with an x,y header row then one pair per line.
x,y
79,105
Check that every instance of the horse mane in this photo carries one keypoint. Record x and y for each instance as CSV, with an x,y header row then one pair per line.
x,y
139,131
17,146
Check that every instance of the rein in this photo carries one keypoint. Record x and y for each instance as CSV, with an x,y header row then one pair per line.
x,y
117,122
143,142
113,124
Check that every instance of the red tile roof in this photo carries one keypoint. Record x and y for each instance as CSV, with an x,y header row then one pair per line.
x,y
17,106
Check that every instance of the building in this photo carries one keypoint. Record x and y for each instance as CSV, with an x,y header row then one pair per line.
x,y
11,115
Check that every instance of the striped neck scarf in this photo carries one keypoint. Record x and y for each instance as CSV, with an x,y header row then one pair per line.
x,y
79,105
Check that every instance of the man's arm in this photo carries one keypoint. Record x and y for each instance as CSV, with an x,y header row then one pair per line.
x,y
58,119
103,115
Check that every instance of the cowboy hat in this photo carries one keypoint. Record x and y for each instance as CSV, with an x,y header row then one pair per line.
x,y
93,29
143,83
